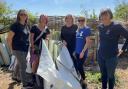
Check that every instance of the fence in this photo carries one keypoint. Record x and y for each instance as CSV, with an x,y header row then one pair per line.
x,y
54,48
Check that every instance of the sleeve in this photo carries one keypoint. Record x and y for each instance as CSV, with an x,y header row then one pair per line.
x,y
32,29
61,34
124,32
125,45
75,27
13,27
87,32
98,27
47,31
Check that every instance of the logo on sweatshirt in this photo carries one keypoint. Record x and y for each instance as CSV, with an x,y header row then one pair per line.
x,y
108,32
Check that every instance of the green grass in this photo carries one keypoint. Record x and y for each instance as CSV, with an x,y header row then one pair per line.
x,y
94,78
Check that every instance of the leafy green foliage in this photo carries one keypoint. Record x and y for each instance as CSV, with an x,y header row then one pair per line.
x,y
5,14
93,15
93,77
32,18
121,11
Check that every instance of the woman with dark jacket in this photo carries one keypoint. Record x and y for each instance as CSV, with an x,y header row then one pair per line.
x,y
68,35
109,34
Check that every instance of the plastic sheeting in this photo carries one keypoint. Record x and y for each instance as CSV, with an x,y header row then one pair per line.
x,y
63,78
5,59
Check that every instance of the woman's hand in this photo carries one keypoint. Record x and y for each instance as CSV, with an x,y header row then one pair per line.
x,y
47,37
65,43
32,48
120,52
81,55
9,40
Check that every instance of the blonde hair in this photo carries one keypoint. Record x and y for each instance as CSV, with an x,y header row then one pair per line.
x,y
69,15
81,17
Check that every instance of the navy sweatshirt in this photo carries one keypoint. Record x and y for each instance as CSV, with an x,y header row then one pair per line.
x,y
109,37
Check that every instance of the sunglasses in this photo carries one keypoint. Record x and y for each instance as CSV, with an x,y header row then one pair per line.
x,y
22,14
82,20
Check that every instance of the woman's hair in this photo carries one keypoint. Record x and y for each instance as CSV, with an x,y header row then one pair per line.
x,y
81,18
18,16
69,15
106,11
46,18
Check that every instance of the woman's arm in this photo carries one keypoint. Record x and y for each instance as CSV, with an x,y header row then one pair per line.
x,y
48,36
124,32
86,46
9,40
62,37
32,40
125,45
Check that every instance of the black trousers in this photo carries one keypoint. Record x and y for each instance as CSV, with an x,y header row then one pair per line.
x,y
80,63
71,51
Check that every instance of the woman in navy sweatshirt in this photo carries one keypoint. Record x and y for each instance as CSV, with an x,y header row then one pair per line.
x,y
109,33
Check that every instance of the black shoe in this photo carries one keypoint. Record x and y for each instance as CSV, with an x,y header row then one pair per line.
x,y
83,84
17,80
28,86
33,78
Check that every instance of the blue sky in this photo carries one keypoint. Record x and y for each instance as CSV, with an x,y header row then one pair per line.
x,y
61,7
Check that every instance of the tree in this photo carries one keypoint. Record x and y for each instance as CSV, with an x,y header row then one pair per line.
x,y
121,11
93,15
32,18
5,14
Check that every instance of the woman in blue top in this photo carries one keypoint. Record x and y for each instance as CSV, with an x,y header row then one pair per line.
x,y
82,43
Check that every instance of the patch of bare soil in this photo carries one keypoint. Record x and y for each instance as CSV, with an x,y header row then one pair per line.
x,y
6,82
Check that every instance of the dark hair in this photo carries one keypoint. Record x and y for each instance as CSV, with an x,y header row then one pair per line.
x,y
46,18
18,16
106,11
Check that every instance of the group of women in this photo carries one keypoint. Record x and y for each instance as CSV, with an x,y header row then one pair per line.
x,y
76,37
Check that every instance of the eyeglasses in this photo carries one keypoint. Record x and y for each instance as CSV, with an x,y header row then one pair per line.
x,y
22,14
82,20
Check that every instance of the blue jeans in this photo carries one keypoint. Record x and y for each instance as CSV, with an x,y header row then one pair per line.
x,y
107,68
